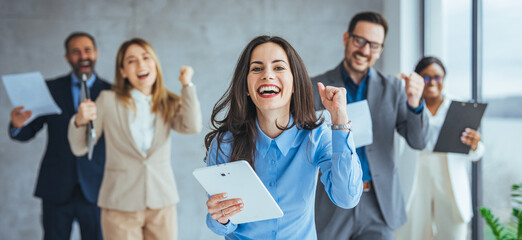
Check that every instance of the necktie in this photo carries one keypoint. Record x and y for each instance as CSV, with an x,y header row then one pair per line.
x,y
79,99
82,92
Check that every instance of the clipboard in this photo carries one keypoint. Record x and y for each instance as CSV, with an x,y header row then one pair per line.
x,y
239,180
461,115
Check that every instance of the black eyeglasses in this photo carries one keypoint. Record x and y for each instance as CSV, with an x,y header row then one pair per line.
x,y
437,79
360,42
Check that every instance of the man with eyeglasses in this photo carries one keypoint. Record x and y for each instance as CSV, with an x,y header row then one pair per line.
x,y
394,104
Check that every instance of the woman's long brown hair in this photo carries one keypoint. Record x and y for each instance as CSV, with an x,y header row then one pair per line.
x,y
164,102
240,111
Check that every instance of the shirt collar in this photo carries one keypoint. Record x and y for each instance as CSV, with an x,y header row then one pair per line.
x,y
139,96
348,80
76,82
284,142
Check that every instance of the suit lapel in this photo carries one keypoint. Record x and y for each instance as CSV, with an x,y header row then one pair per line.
x,y
159,131
67,90
374,94
96,88
375,87
335,78
123,115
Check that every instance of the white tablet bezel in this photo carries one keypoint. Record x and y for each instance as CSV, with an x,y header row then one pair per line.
x,y
239,180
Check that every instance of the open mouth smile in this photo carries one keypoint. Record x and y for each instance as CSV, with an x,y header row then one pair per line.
x,y
143,75
84,65
268,91
360,58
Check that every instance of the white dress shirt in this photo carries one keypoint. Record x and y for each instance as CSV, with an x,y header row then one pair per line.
x,y
436,121
142,123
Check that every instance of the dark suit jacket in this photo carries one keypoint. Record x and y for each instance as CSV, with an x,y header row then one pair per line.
x,y
388,108
60,170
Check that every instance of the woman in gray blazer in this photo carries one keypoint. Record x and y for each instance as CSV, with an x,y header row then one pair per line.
x,y
138,193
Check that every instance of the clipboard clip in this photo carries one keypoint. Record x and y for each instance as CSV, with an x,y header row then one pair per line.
x,y
475,104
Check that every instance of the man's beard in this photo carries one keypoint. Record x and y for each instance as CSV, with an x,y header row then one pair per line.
x,y
77,67
353,67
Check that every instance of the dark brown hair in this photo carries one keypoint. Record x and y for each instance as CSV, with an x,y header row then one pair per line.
x,y
75,35
372,17
240,112
426,61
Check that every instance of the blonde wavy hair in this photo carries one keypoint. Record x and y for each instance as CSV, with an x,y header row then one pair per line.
x,y
164,102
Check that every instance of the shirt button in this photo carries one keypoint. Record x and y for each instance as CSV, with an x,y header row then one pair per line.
x,y
144,162
271,184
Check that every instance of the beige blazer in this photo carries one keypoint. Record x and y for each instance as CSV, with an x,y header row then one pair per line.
x,y
132,182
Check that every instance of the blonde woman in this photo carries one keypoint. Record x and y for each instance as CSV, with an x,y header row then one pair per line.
x,y
138,194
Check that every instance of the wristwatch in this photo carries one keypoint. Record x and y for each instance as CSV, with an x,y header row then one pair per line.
x,y
346,126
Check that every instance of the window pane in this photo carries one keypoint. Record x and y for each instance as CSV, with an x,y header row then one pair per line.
x,y
502,89
457,51
448,37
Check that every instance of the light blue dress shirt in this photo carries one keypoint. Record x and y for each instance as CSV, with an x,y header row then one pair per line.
x,y
76,88
288,167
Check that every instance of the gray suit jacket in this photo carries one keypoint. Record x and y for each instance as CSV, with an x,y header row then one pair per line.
x,y
388,108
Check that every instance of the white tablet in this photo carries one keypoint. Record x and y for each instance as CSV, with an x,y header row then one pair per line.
x,y
239,180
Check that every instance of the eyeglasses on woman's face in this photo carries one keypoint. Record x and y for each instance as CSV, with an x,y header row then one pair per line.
x,y
427,79
360,42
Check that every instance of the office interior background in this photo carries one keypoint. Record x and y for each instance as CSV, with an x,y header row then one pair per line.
x,y
209,35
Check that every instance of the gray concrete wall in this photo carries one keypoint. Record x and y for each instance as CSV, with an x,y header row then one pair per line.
x,y
207,35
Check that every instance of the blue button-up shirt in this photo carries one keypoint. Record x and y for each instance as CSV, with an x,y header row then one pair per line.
x,y
356,93
76,88
288,166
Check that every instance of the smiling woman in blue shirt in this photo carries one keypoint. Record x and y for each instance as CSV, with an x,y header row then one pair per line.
x,y
269,120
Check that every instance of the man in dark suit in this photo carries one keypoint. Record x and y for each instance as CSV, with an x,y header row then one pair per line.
x,y
67,185
393,105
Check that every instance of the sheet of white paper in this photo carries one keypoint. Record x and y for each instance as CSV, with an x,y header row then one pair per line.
x,y
359,114
29,90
